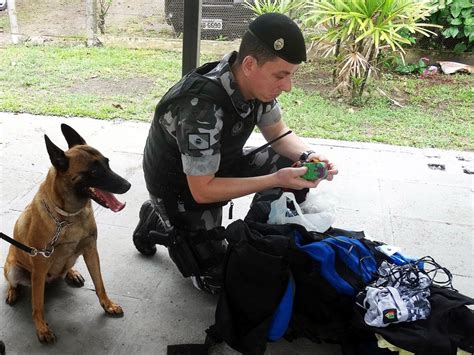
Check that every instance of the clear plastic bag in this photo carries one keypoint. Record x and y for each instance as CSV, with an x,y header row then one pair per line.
x,y
316,213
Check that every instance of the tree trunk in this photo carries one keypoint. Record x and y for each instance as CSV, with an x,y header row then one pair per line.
x,y
366,76
104,6
101,24
91,23
336,55
14,30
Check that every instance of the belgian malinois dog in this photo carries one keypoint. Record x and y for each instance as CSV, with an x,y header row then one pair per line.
x,y
59,226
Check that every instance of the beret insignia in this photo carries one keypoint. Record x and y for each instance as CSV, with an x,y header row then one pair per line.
x,y
279,44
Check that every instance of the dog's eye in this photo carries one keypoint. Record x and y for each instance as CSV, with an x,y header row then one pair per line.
x,y
94,173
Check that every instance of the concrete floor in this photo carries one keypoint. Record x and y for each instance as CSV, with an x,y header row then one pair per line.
x,y
389,192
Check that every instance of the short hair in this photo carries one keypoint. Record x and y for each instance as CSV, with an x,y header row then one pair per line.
x,y
251,45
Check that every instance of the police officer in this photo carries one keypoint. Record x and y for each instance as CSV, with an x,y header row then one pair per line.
x,y
194,158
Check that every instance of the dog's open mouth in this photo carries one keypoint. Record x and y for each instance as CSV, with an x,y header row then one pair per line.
x,y
105,199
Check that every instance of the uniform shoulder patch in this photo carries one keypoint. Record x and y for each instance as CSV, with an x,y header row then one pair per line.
x,y
199,141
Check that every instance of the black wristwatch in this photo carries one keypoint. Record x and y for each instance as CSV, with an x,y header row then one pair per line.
x,y
304,156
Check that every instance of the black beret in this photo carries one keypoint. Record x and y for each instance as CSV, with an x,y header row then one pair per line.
x,y
281,35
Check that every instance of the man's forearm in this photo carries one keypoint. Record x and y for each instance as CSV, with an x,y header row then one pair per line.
x,y
209,189
222,189
290,146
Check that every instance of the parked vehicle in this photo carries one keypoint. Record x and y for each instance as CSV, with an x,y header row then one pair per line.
x,y
225,19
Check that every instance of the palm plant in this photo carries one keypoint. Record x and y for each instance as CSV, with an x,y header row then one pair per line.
x,y
260,7
357,30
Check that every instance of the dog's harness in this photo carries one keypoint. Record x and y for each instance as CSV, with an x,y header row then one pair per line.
x,y
49,249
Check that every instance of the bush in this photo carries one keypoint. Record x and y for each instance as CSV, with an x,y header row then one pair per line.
x,y
457,19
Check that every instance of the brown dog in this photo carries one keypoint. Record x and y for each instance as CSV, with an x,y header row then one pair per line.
x,y
59,223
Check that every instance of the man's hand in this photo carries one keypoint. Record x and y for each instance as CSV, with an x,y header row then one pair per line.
x,y
291,178
332,169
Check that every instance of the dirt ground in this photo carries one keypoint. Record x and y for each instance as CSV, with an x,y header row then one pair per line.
x,y
54,20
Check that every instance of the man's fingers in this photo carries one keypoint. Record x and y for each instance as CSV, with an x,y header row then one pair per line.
x,y
300,171
321,158
333,171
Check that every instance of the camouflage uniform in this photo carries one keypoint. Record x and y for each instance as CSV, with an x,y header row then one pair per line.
x,y
195,126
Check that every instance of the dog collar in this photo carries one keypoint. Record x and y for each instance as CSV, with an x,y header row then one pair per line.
x,y
65,213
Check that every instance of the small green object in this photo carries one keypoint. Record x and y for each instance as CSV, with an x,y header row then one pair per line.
x,y
315,171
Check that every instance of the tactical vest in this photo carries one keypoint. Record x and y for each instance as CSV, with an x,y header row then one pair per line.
x,y
162,163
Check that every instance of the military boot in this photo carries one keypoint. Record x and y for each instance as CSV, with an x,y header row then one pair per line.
x,y
149,221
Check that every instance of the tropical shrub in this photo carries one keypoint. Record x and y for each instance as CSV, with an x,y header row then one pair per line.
x,y
412,68
457,19
357,31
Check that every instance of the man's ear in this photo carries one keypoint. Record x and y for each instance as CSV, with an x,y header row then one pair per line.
x,y
72,137
56,155
248,65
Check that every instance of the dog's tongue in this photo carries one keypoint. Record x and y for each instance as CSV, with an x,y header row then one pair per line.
x,y
110,200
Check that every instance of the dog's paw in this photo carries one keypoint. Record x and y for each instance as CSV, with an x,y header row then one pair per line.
x,y
113,309
12,295
46,335
74,278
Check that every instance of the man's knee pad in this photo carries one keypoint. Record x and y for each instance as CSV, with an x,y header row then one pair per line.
x,y
196,252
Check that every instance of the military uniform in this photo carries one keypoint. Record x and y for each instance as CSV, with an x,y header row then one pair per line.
x,y
192,135
199,129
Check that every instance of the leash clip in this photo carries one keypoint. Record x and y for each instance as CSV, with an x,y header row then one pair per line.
x,y
45,252
33,252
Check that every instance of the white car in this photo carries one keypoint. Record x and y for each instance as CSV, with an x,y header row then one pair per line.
x,y
3,4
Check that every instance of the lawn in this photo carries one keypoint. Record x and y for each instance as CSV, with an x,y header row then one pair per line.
x,y
120,83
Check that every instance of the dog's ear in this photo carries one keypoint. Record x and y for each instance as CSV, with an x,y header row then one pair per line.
x,y
56,155
72,137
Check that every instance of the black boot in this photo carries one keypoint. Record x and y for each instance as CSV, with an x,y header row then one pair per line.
x,y
149,221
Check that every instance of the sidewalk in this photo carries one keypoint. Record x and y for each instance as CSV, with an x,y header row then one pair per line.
x,y
389,192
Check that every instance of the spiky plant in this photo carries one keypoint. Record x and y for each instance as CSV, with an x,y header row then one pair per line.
x,y
357,30
260,7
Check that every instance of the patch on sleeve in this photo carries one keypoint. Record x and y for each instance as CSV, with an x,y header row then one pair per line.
x,y
199,141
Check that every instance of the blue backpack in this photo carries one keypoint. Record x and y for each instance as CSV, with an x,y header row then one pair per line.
x,y
346,263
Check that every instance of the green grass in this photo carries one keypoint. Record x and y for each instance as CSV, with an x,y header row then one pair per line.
x,y
314,116
109,83
57,80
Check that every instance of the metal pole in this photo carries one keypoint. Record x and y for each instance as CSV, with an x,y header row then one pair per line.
x,y
191,34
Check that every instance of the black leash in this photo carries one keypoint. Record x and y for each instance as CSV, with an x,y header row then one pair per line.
x,y
32,251
17,244
49,249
